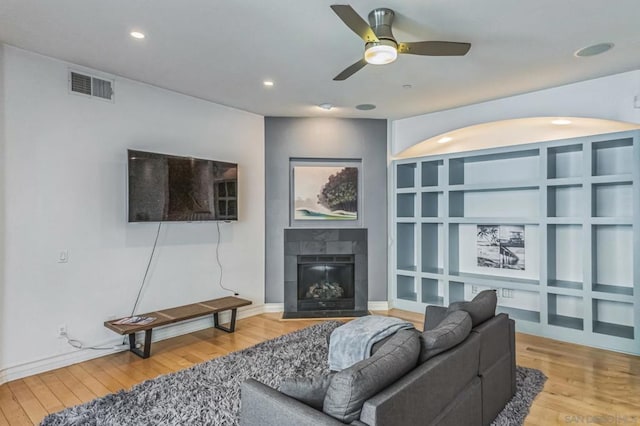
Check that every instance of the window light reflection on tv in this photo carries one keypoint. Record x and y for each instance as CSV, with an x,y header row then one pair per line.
x,y
169,188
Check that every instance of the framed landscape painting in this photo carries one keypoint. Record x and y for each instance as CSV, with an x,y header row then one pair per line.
x,y
325,191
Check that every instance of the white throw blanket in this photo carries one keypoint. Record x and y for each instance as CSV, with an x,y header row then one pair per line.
x,y
352,342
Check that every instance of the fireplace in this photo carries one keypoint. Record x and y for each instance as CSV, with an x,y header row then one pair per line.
x,y
326,282
325,273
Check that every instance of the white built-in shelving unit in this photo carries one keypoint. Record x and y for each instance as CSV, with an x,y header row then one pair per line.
x,y
579,202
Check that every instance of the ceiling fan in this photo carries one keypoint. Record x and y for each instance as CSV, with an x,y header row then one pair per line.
x,y
380,45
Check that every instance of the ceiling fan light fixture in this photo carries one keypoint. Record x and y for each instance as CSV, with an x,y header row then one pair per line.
x,y
383,52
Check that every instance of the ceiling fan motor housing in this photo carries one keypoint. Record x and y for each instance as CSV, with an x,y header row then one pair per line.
x,y
380,21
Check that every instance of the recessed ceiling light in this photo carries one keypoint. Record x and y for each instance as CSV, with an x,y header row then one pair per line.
x,y
561,122
325,106
137,34
594,50
365,107
268,83
445,139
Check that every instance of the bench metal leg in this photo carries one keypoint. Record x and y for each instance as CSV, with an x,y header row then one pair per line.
x,y
232,324
147,344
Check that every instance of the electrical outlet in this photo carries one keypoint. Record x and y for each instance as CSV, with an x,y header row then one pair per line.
x,y
474,289
507,293
62,330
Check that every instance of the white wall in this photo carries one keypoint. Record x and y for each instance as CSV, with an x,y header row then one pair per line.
x,y
66,189
2,194
610,97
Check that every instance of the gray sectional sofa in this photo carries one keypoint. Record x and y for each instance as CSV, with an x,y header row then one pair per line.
x,y
459,371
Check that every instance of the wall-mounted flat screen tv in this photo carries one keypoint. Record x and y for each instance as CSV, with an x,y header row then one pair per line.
x,y
181,189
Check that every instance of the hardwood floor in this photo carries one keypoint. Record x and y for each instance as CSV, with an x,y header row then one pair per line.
x,y
585,385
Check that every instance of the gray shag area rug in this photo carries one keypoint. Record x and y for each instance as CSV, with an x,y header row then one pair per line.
x,y
209,393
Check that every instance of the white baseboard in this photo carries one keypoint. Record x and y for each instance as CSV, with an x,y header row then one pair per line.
x,y
30,368
274,307
378,306
75,356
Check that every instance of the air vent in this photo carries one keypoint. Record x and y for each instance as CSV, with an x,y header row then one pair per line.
x,y
91,86
80,83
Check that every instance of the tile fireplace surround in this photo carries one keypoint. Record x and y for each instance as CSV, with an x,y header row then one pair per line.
x,y
309,242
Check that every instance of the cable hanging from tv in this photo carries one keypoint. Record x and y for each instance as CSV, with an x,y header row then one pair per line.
x,y
235,293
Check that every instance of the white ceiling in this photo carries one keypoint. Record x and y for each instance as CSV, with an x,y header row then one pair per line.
x,y
223,50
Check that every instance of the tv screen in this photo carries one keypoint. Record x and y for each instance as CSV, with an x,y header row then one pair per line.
x,y
171,188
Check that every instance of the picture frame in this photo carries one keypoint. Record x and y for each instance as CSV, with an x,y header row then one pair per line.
x,y
325,193
501,246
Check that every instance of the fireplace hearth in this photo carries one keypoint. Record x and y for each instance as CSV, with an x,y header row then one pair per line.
x,y
325,273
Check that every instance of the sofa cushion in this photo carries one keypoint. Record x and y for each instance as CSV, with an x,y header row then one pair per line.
x,y
481,308
351,387
451,331
309,390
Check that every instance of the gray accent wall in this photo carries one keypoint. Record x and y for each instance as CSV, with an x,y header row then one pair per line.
x,y
2,194
325,138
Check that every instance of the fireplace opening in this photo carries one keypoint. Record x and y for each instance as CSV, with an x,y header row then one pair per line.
x,y
326,282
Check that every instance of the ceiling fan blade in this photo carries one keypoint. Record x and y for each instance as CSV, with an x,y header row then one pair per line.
x,y
355,22
350,70
434,48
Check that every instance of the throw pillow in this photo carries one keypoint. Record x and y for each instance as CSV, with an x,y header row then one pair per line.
x,y
451,331
481,308
308,390
351,387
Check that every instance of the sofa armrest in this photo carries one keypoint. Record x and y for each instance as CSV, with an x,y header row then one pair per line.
x,y
262,405
433,315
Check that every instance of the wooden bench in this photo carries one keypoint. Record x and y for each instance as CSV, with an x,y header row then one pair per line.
x,y
180,313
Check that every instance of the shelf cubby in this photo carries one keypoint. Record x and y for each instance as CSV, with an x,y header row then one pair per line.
x,y
519,304
405,205
612,200
612,157
432,292
564,256
520,314
432,173
613,257
406,288
523,305
456,291
496,203
565,311
406,175
496,280
432,204
405,242
495,168
613,289
564,161
613,318
431,237
565,201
